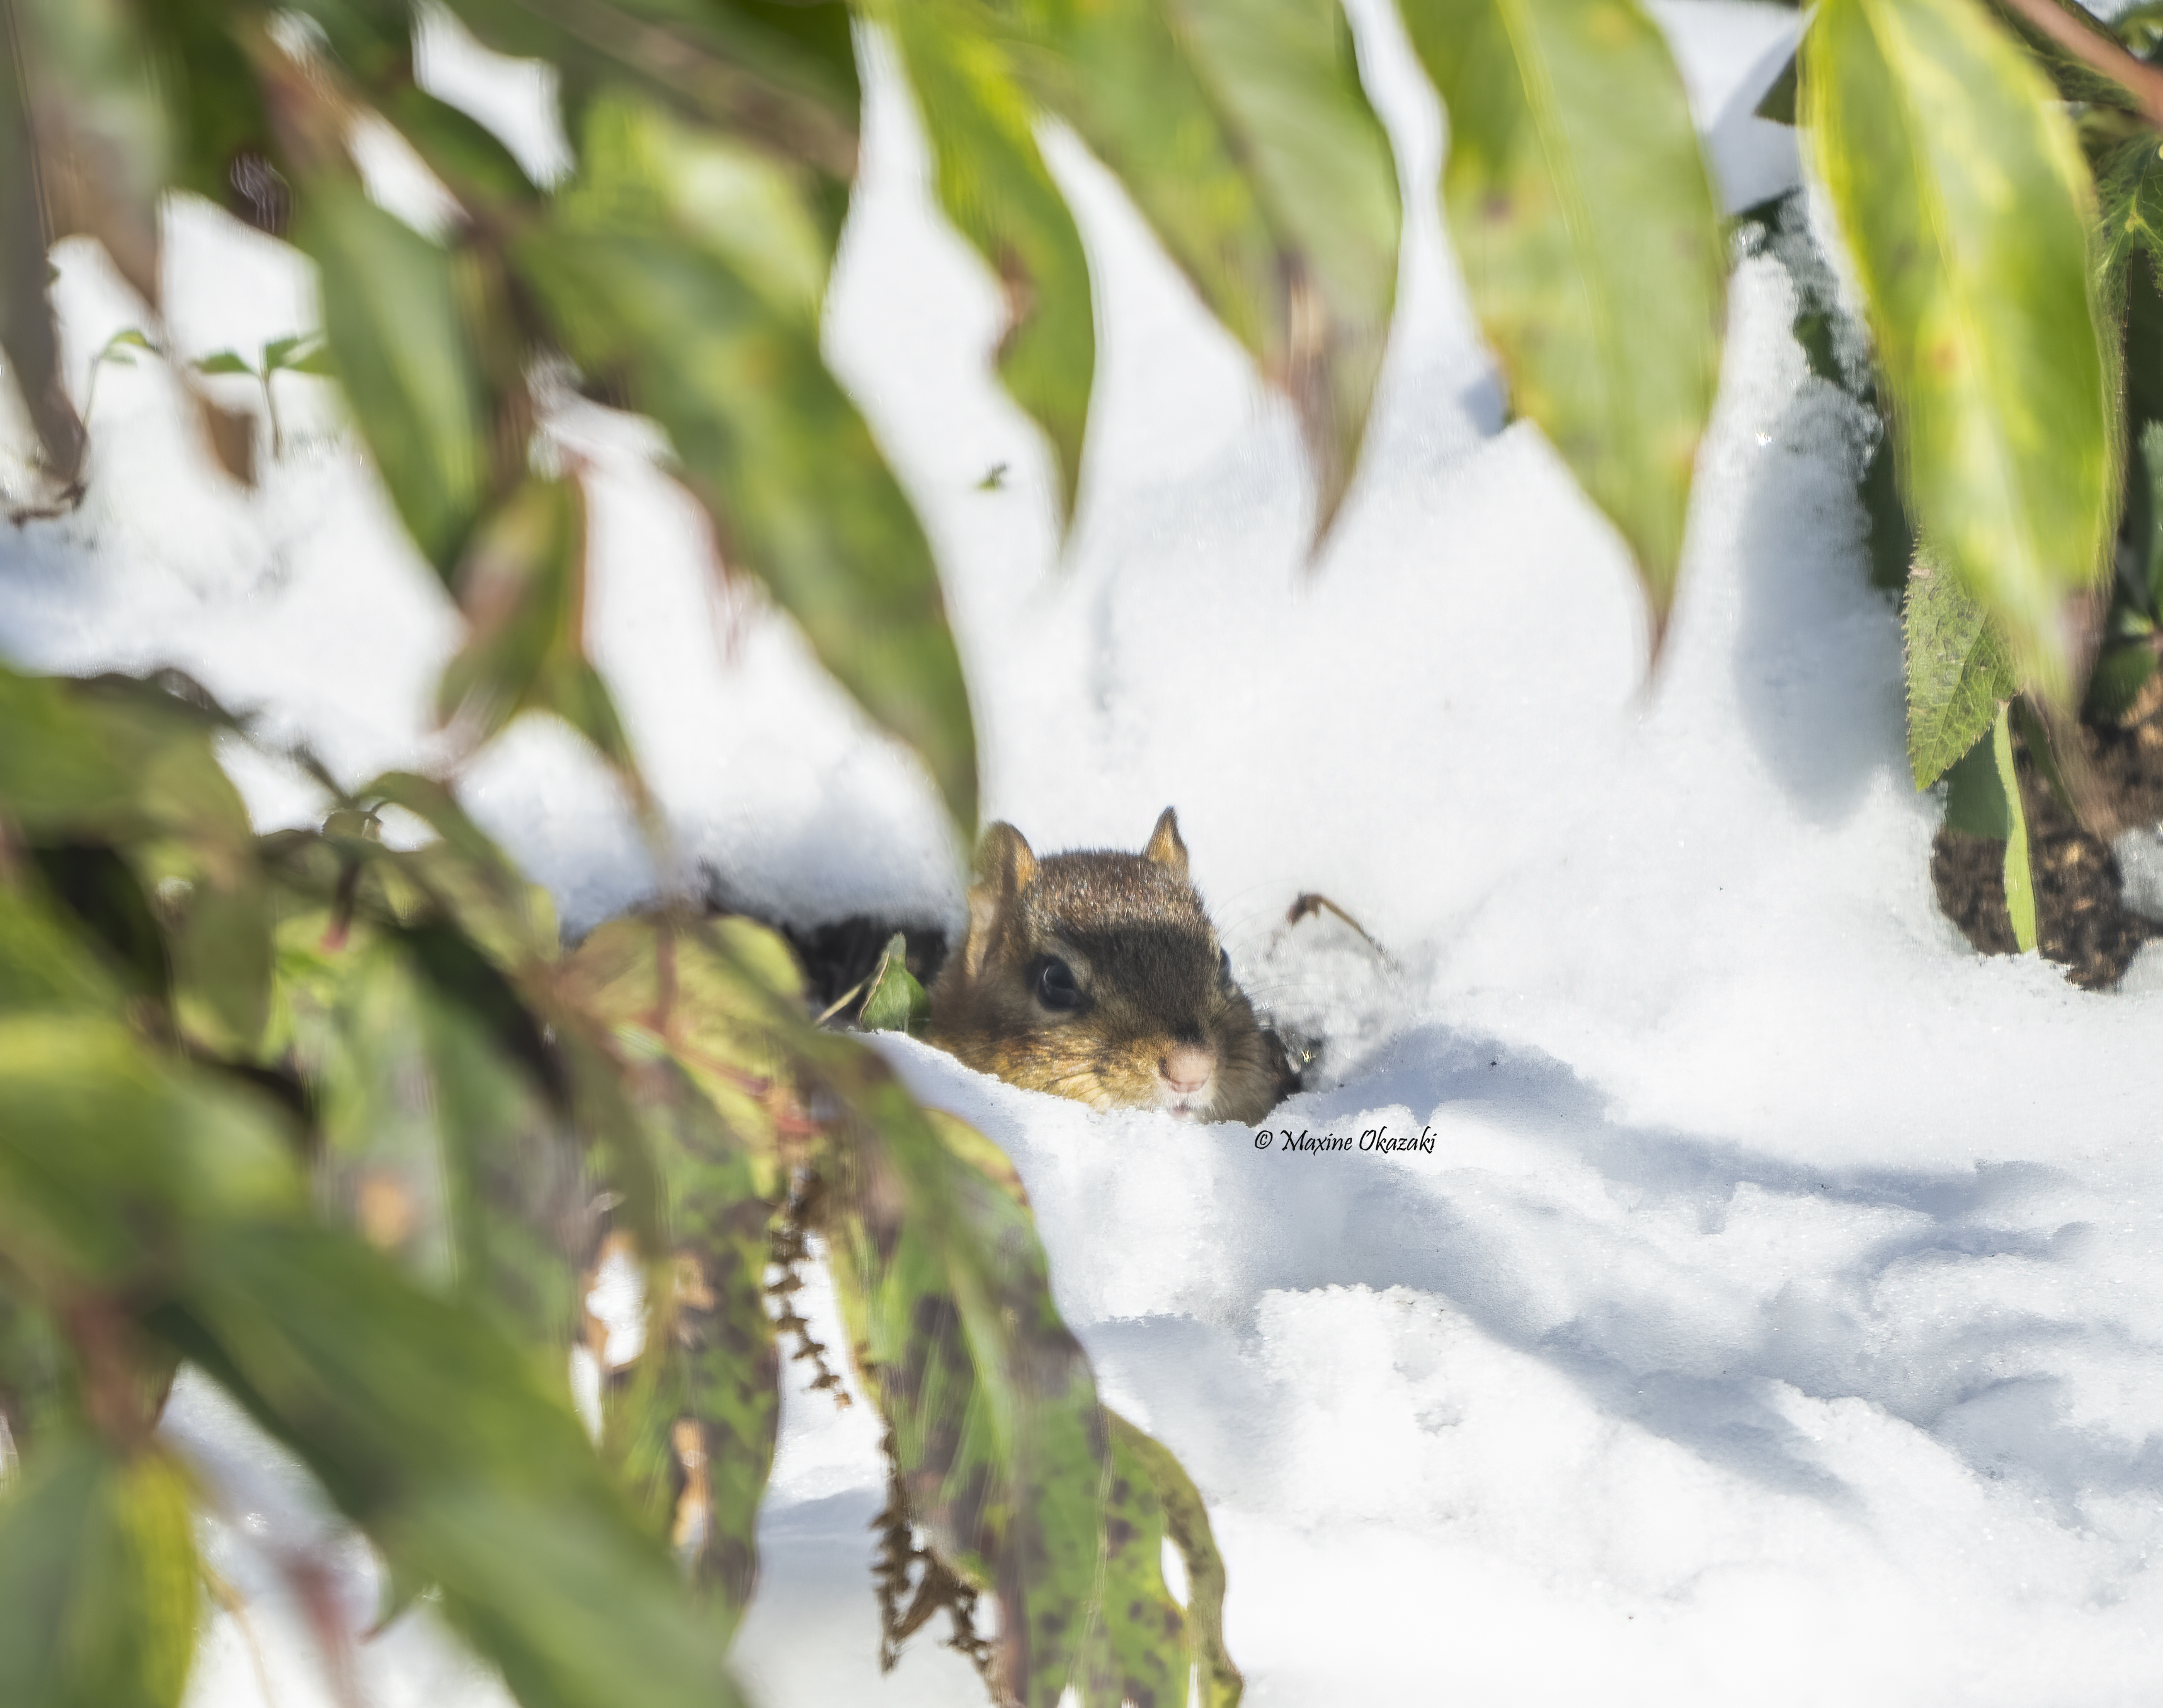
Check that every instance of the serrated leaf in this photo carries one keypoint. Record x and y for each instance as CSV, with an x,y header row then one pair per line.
x,y
1972,258
993,184
1958,673
896,1002
392,319
1579,207
1241,130
779,456
100,1590
2019,880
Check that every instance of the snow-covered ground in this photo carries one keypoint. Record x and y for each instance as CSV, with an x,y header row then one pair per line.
x,y
1777,1316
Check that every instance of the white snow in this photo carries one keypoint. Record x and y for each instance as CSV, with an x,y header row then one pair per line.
x,y
1777,1317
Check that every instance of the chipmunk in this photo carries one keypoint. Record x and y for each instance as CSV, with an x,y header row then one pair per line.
x,y
1098,976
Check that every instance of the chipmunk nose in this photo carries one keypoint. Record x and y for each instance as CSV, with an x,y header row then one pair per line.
x,y
1186,1069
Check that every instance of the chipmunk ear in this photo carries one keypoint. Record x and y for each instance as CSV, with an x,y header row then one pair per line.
x,y
1004,867
1165,846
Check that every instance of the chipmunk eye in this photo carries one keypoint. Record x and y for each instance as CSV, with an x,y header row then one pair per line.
x,y
1055,987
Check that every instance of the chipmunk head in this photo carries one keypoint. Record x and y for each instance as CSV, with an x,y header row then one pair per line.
x,y
1098,976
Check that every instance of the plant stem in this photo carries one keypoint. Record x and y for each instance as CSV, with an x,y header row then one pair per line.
x,y
2086,43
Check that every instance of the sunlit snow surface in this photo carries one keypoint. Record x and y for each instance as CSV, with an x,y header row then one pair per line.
x,y
1777,1316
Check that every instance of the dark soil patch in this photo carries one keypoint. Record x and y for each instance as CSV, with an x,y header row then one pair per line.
x,y
2081,920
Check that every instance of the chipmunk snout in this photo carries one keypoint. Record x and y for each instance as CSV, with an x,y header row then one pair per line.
x,y
1188,1067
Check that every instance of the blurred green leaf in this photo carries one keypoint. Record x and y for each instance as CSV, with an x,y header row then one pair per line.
x,y
2019,882
29,337
222,140
473,880
102,894
224,362
896,1002
469,158
392,318
1579,207
996,1429
1958,674
432,1432
100,1591
1973,264
522,585
42,966
114,1169
104,148
994,186
2121,671
775,451
693,1427
1241,130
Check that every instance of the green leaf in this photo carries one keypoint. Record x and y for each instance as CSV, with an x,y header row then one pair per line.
x,y
1001,1444
776,454
114,1169
100,1591
522,585
1579,207
1240,129
1958,674
466,155
473,881
1975,799
392,316
896,1002
43,965
694,1429
1973,256
2020,884
223,142
432,1432
1157,1650
994,186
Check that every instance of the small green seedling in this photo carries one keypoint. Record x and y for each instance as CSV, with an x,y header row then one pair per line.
x,y
302,353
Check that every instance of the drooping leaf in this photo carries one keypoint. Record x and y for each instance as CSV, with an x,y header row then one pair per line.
x,y
993,184
2019,879
1579,207
771,446
1958,673
693,1427
392,318
432,1432
1241,130
896,1002
1186,1523
1972,260
1001,1444
99,1584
